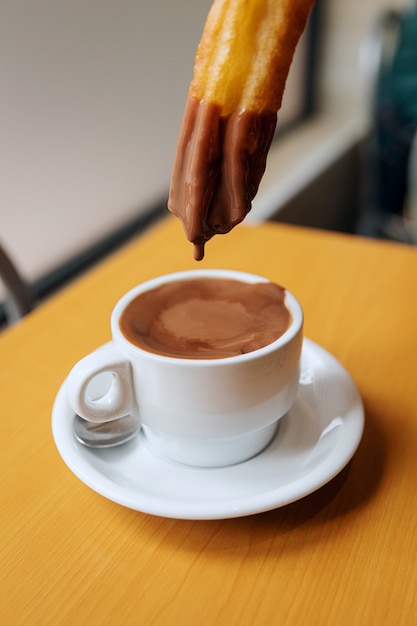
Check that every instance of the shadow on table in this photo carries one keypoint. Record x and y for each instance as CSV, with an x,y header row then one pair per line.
x,y
311,519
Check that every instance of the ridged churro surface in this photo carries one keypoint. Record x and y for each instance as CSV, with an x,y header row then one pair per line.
x,y
245,52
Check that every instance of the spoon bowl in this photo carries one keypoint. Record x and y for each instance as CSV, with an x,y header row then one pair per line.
x,y
107,434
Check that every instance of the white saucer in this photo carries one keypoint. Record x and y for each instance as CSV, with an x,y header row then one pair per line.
x,y
314,442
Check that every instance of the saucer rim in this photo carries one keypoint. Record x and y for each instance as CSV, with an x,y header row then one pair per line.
x,y
76,456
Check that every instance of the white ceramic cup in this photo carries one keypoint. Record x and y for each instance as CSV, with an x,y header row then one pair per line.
x,y
202,412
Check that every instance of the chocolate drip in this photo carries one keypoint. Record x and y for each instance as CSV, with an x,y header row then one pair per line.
x,y
218,166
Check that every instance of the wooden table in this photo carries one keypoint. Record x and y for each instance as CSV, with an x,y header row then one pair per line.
x,y
347,554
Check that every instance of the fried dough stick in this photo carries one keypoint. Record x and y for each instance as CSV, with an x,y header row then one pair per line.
x,y
241,66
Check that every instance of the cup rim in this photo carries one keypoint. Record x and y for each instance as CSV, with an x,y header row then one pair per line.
x,y
290,300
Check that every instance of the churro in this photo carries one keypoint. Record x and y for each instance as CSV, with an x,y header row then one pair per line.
x,y
241,66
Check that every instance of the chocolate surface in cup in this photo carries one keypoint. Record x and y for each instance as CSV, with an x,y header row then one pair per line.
x,y
206,318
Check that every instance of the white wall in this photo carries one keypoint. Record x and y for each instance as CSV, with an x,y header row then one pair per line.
x,y
343,85
91,98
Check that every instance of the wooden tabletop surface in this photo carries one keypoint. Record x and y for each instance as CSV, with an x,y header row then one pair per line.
x,y
344,555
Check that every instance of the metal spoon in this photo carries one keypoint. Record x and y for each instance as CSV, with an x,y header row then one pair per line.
x,y
107,434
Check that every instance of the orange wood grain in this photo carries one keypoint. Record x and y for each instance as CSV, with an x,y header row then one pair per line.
x,y
345,555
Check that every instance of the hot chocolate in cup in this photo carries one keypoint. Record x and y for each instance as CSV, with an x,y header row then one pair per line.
x,y
208,360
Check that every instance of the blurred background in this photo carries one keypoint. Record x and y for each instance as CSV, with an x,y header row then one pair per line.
x,y
92,95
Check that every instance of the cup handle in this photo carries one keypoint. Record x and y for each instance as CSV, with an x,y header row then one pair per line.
x,y
116,401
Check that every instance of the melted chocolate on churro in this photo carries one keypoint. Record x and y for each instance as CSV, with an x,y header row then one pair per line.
x,y
218,166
